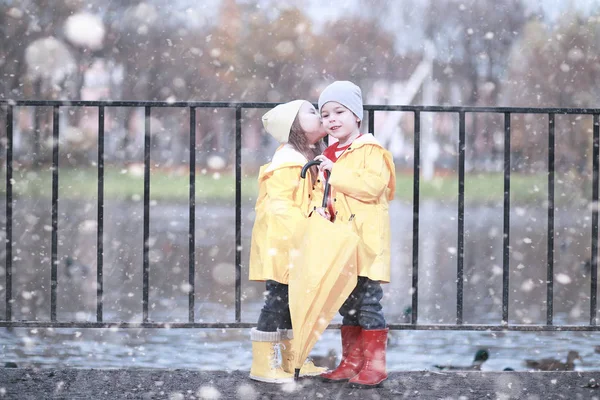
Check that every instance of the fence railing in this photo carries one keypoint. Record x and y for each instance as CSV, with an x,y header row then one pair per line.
x,y
9,105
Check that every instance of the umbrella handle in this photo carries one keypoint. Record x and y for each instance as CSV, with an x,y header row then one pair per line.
x,y
326,189
307,166
327,202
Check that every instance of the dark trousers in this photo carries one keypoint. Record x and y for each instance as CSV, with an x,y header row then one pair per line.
x,y
276,311
363,306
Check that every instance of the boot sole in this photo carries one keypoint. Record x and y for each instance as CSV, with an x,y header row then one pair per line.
x,y
364,386
335,380
309,375
268,380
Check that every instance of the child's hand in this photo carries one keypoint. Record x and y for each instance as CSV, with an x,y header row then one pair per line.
x,y
322,211
326,163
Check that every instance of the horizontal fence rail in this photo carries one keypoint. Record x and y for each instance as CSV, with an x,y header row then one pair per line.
x,y
417,111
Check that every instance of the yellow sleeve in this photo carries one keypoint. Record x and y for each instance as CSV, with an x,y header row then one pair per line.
x,y
364,175
284,210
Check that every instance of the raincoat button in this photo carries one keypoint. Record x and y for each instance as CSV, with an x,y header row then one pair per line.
x,y
318,180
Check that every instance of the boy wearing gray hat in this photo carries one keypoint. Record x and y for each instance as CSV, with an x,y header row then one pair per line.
x,y
363,182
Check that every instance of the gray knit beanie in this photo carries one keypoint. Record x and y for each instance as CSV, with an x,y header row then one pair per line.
x,y
346,93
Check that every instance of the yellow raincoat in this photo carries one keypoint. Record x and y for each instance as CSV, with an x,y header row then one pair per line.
x,y
363,181
284,200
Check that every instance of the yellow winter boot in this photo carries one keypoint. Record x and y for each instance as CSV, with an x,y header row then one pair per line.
x,y
288,357
265,367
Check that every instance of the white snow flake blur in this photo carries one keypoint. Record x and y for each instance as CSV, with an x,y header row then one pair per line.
x,y
85,30
130,199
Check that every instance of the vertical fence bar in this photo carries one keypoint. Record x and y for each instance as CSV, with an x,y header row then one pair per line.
x,y
36,135
415,236
238,214
372,122
550,246
146,262
461,218
594,271
506,227
192,218
100,231
54,248
9,209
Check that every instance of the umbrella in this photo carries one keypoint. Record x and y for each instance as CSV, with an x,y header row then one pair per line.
x,y
327,202
322,276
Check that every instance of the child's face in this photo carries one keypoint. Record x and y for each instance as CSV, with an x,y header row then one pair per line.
x,y
311,122
338,121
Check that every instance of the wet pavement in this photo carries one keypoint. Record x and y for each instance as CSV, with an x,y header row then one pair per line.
x,y
179,384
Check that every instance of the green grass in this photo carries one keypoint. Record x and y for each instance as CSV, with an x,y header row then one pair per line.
x,y
479,188
128,184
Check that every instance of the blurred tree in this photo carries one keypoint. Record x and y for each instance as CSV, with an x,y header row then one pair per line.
x,y
479,36
557,66
474,38
13,24
281,56
357,49
21,23
37,61
246,51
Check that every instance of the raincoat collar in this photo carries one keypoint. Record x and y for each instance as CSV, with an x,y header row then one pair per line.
x,y
285,156
365,138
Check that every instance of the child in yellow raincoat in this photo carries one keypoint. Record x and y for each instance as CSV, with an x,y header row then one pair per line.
x,y
284,199
363,182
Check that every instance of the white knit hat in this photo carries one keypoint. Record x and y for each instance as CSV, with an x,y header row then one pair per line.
x,y
346,93
278,121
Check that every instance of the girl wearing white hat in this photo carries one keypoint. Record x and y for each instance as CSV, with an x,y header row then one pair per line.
x,y
284,199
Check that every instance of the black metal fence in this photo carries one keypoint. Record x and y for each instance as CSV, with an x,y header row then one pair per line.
x,y
9,105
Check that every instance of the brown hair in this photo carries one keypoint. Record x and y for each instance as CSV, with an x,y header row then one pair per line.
x,y
299,141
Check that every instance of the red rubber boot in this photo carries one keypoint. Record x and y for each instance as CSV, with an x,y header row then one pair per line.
x,y
352,355
373,371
